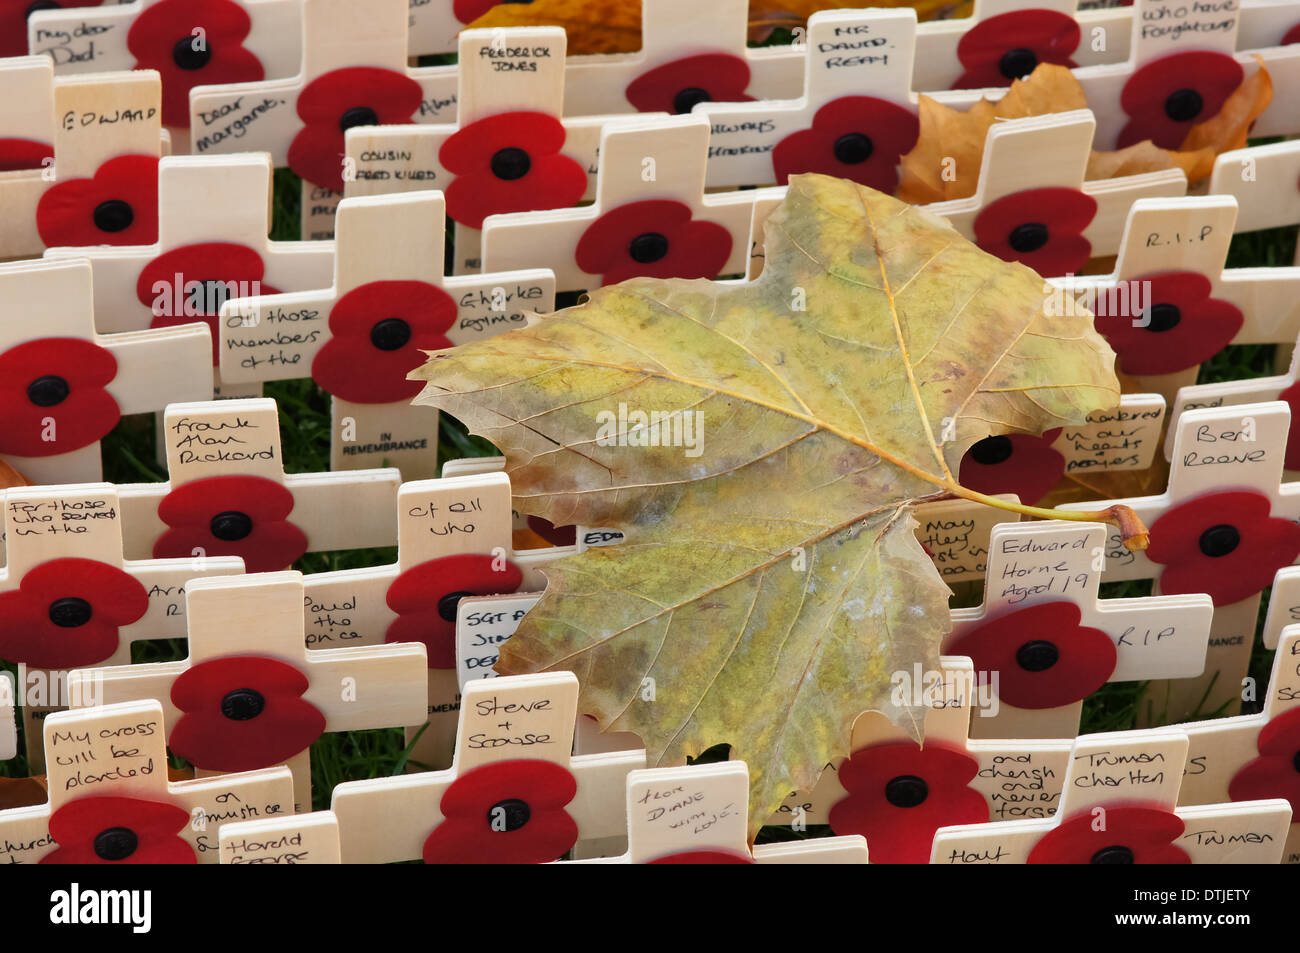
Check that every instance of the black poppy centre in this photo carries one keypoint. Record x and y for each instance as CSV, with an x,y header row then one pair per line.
x,y
906,790
231,525
853,148
243,704
48,390
1028,237
70,612
116,843
448,603
113,215
1219,540
207,295
510,163
1017,63
508,815
648,247
40,5
357,116
191,53
1037,656
390,334
1115,854
1184,105
1163,317
686,99
991,451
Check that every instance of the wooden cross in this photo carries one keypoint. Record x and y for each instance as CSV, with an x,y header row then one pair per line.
x,y
1265,181
959,780
956,535
233,41
293,839
228,495
389,259
8,725
79,156
1224,526
1042,639
75,383
71,599
250,695
651,215
1252,756
514,792
1117,807
1171,264
699,814
110,800
855,117
352,71
510,150
1032,204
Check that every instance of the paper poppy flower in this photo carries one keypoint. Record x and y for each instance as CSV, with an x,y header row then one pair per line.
x,y
1041,228
1133,835
52,396
66,613
118,205
511,812
1042,656
900,794
243,516
1009,46
1292,396
854,137
1184,325
702,857
1291,36
119,830
1276,772
339,100
17,155
13,21
1167,97
1019,463
379,332
654,239
162,38
242,712
425,598
189,284
467,11
509,163
677,86
1224,544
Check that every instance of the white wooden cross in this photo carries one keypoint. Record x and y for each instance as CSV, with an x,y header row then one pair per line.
x,y
227,494
293,839
1118,808
698,814
1054,231
1265,180
8,726
1171,262
388,296
1039,640
685,234
1224,526
70,384
1252,756
855,116
956,535
353,71
509,149
250,695
108,776
70,598
514,792
78,157
949,776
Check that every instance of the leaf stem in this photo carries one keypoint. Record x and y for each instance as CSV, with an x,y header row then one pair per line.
x,y
1131,528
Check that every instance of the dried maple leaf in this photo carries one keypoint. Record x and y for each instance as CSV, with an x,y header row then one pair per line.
x,y
1227,129
1146,156
771,582
593,26
11,477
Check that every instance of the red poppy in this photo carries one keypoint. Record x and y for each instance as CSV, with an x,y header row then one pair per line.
x,y
338,101
1291,36
243,516
1041,228
1276,772
162,38
65,613
1224,544
511,812
425,599
677,86
555,535
702,857
854,137
17,155
1042,656
52,397
467,11
1132,835
1167,97
900,794
117,206
1018,463
509,163
653,239
1009,46
1292,396
379,333
13,21
119,830
1185,326
242,712
189,284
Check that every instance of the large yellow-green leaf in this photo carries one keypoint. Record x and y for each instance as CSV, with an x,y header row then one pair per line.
x,y
770,584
